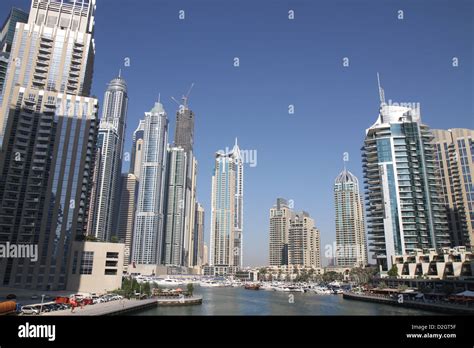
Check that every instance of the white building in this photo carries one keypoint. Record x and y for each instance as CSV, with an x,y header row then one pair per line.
x,y
149,215
227,211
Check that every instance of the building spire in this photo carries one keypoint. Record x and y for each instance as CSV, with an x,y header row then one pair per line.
x,y
381,91
120,73
159,97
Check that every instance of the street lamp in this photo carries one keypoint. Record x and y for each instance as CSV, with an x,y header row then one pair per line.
x,y
42,299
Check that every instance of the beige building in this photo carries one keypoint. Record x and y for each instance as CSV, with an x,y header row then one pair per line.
x,y
96,267
436,264
48,126
455,159
280,217
205,257
127,214
304,242
351,249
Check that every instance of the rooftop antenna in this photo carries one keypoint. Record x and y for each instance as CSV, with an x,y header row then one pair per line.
x,y
120,73
381,91
159,97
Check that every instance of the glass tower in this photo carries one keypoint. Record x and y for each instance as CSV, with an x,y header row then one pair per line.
x,y
175,199
148,229
404,204
110,145
227,213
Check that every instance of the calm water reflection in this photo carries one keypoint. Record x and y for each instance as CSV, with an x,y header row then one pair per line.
x,y
238,301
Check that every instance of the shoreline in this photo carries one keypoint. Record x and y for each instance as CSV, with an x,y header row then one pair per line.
x,y
432,307
126,306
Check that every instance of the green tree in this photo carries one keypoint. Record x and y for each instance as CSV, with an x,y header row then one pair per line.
x,y
190,288
262,273
393,272
114,239
90,238
146,289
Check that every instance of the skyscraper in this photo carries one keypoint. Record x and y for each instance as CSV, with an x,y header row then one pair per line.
x,y
304,246
351,247
199,236
227,208
184,138
455,159
54,51
126,217
7,33
110,142
175,203
280,217
137,149
148,229
404,205
48,124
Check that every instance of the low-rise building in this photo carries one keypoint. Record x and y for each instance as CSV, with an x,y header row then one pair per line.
x,y
96,267
445,263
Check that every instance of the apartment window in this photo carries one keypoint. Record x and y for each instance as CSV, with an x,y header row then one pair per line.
x,y
110,272
110,263
87,262
112,255
74,262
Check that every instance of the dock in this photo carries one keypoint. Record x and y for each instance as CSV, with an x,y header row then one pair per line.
x,y
447,308
122,307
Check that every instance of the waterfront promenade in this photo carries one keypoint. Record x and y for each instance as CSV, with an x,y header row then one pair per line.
x,y
440,307
125,306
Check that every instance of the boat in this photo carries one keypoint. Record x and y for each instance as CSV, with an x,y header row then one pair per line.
x,y
252,286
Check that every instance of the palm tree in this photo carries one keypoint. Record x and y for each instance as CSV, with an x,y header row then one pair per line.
x,y
262,273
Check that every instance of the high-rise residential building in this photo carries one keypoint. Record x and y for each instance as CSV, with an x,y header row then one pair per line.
x,y
126,217
351,249
205,253
49,128
227,210
137,149
7,33
199,236
280,217
404,204
54,52
455,159
110,142
304,245
175,194
184,138
149,214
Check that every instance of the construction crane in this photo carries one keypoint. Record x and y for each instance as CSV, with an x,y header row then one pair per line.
x,y
184,104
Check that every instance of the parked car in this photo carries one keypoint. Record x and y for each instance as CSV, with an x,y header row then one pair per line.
x,y
30,310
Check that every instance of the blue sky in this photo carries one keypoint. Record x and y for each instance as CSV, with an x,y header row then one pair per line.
x,y
285,62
